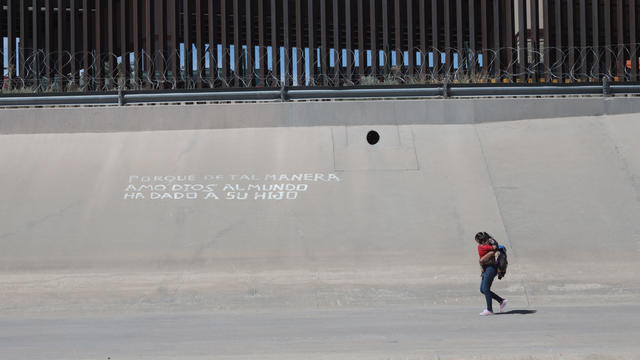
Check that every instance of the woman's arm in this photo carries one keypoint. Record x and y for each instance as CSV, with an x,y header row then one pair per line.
x,y
488,258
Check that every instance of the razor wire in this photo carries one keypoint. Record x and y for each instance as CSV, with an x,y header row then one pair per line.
x,y
35,71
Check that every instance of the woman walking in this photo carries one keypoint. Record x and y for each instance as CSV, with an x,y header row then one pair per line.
x,y
488,250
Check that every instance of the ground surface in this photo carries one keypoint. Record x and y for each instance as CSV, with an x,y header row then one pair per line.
x,y
546,332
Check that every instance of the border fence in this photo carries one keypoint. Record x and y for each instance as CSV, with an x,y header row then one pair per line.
x,y
104,45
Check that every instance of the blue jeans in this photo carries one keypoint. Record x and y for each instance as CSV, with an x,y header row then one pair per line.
x,y
485,287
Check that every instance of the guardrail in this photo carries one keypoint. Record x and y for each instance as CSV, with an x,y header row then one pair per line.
x,y
308,93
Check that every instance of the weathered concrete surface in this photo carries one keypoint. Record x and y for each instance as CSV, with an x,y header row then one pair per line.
x,y
370,226
449,332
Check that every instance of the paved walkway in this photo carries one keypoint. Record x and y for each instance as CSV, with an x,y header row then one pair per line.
x,y
383,333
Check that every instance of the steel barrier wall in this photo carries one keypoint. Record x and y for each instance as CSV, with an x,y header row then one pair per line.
x,y
99,45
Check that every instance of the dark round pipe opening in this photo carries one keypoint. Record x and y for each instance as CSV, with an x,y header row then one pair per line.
x,y
373,137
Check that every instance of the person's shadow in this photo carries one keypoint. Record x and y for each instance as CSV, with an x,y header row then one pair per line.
x,y
518,312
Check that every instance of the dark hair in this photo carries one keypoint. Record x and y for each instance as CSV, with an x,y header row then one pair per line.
x,y
482,236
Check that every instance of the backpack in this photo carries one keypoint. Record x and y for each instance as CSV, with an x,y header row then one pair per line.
x,y
501,262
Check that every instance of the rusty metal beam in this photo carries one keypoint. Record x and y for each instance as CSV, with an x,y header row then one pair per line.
x,y
98,61
348,40
72,44
124,21
299,79
620,32
224,43
570,37
435,34
323,41
522,40
262,61
235,13
607,37
547,36
410,40
135,23
337,55
361,50
199,52
213,50
11,38
373,38
275,47
110,52
633,57
286,59
249,43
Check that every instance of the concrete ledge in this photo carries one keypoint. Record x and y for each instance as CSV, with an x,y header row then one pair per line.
x,y
294,114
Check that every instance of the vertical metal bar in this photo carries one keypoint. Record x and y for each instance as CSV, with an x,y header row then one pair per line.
x,y
124,21
361,51
250,49
98,60
299,45
633,40
213,50
559,46
11,38
236,43
262,63
286,60
508,10
522,39
472,39
72,48
620,32
199,56
497,22
160,41
135,23
35,10
597,63
348,41
535,38
186,36
485,37
447,38
173,7
547,37
460,50
323,41
47,40
397,31
570,40
62,25
85,42
148,34
225,43
110,51
373,38
23,37
310,34
423,36
435,34
275,48
385,38
607,38
337,54
410,40
583,38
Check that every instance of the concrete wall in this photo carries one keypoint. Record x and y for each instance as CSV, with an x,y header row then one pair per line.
x,y
365,225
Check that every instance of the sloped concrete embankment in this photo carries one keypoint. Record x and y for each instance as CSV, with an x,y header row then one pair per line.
x,y
240,218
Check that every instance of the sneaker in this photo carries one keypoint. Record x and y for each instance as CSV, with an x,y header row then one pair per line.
x,y
486,312
503,305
